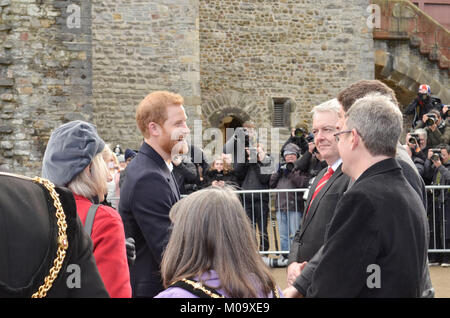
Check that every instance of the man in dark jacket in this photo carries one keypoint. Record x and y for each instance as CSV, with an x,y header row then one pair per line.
x,y
375,229
255,177
29,241
150,189
422,105
437,168
326,190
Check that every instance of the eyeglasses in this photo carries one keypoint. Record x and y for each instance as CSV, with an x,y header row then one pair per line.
x,y
336,135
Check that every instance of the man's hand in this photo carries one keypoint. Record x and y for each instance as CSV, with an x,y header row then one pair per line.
x,y
261,153
293,271
430,153
311,146
292,292
176,160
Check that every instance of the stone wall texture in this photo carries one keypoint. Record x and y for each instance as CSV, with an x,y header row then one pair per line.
x,y
225,57
139,47
45,77
304,50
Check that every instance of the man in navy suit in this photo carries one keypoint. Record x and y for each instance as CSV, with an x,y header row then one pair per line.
x,y
324,193
150,190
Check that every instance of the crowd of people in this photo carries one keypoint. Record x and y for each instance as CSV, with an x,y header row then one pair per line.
x,y
365,202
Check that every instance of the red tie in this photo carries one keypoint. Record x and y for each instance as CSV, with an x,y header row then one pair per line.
x,y
320,185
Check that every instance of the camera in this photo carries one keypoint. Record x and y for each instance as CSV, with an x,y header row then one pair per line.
x,y
299,132
413,139
219,176
275,262
436,154
309,138
289,166
432,119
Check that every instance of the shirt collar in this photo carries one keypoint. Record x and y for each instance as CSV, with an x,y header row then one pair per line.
x,y
169,165
336,164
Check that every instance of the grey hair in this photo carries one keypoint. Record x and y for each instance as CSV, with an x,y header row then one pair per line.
x,y
379,123
422,132
331,105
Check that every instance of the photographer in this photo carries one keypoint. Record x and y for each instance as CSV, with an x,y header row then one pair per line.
x,y
253,177
290,205
298,137
311,161
241,139
413,142
436,128
422,105
437,166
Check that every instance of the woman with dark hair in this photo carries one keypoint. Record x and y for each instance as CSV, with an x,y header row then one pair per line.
x,y
212,251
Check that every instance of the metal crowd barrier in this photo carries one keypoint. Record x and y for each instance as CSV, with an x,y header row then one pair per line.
x,y
438,214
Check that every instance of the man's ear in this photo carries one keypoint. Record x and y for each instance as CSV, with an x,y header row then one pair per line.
x,y
154,129
356,139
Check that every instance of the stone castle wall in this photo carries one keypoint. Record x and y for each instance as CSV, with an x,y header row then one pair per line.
x,y
219,54
45,76
304,50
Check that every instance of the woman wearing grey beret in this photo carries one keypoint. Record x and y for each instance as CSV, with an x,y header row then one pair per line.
x,y
74,159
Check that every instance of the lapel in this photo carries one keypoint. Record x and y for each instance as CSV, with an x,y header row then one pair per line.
x,y
315,203
147,150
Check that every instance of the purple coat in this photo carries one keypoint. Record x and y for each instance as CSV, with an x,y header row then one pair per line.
x,y
212,281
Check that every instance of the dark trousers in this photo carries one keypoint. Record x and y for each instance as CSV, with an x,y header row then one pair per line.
x,y
439,231
258,212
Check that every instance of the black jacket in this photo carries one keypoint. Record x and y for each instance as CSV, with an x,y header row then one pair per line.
x,y
28,243
185,174
213,175
254,176
421,107
310,237
146,197
374,225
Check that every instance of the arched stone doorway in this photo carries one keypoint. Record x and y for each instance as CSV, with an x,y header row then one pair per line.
x,y
229,122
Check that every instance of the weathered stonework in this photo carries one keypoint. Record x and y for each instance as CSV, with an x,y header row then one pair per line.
x,y
225,57
302,50
139,47
45,78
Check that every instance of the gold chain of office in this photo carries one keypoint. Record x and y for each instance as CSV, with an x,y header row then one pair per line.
x,y
62,240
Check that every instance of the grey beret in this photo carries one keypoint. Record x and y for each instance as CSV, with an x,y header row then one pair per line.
x,y
70,150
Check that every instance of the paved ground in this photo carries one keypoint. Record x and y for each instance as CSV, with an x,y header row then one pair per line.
x,y
440,277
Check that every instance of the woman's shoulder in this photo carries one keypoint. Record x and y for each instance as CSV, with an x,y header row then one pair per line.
x,y
175,292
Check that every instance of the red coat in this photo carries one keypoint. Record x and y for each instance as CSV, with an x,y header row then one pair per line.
x,y
108,238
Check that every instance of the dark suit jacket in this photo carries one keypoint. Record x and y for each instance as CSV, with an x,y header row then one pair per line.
x,y
303,281
310,237
146,197
380,220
